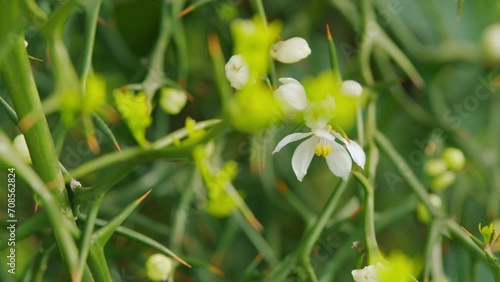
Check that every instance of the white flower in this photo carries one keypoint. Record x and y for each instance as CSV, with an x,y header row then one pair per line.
x,y
366,274
351,88
291,94
237,71
322,142
291,50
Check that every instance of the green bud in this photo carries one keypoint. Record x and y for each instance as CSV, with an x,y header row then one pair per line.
x,y
454,158
159,267
172,100
443,181
95,94
435,167
423,214
487,232
491,43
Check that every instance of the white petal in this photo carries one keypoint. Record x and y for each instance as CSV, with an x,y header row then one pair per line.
x,y
339,162
366,274
357,153
237,71
324,133
291,50
292,93
351,88
290,138
358,275
302,157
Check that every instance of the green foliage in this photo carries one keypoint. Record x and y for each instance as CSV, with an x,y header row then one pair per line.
x,y
135,111
427,122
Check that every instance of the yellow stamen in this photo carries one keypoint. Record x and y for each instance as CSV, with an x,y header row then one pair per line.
x,y
323,149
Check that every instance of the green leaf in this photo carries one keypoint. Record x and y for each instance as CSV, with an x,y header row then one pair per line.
x,y
102,235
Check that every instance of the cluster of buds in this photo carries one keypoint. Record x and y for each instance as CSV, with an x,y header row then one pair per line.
x,y
442,170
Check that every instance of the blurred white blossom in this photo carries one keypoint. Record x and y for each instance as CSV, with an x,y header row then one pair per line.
x,y
291,50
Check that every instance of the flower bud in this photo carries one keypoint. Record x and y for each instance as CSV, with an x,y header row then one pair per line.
x,y
422,213
443,181
291,95
291,50
25,44
435,167
454,158
159,267
237,71
491,43
172,100
351,88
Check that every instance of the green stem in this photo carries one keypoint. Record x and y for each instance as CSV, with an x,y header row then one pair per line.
x,y
313,235
310,270
258,8
374,254
92,13
459,234
310,237
16,73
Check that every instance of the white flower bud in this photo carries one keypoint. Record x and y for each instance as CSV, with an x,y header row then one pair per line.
x,y
366,274
291,94
159,267
291,50
25,43
491,42
237,71
172,100
351,88
454,158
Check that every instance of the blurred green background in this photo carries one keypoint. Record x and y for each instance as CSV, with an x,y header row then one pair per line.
x,y
447,53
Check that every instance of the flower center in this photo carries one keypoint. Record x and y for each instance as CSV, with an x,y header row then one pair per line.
x,y
323,148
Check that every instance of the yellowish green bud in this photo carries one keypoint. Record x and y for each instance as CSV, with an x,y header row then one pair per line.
x,y
487,232
454,158
159,267
435,167
172,100
423,213
491,43
443,181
